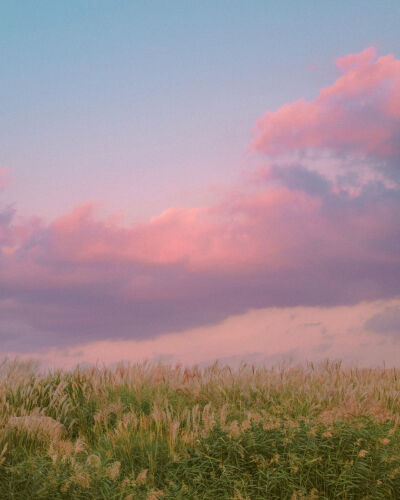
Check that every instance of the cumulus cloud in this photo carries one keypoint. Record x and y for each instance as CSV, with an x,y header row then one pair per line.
x,y
297,236
358,113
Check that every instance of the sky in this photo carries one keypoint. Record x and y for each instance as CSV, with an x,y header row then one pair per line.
x,y
191,181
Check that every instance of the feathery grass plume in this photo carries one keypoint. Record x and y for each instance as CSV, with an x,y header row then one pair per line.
x,y
38,424
157,431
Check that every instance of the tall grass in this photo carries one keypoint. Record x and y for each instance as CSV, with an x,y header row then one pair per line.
x,y
150,431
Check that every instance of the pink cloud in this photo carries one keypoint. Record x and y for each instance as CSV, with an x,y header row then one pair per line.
x,y
85,278
358,113
292,238
224,237
263,336
351,61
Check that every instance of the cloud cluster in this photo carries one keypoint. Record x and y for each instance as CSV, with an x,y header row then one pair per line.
x,y
259,336
358,113
294,235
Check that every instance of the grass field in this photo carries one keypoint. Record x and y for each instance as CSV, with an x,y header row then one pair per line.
x,y
156,432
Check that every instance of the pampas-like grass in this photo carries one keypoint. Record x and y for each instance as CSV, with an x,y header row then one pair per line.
x,y
153,431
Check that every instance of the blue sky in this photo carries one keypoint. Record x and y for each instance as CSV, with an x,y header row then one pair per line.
x,y
145,105
246,159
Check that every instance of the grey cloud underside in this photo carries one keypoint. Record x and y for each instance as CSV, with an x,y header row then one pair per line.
x,y
53,313
60,317
386,322
297,177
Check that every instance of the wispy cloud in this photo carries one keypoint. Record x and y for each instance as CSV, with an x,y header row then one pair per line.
x,y
262,336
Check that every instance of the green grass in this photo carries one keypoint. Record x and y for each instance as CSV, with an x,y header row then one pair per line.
x,y
156,431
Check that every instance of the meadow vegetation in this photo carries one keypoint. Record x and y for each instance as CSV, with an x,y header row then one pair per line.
x,y
153,431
